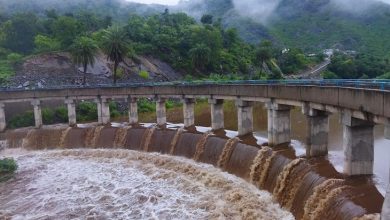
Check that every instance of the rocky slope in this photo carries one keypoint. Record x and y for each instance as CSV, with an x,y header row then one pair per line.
x,y
53,69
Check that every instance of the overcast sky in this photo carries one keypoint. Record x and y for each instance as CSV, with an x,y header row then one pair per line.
x,y
163,2
174,2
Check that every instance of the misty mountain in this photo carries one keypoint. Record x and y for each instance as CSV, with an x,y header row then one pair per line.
x,y
118,9
312,25
308,24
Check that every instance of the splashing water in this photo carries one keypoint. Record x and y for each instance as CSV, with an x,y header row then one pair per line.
x,y
123,184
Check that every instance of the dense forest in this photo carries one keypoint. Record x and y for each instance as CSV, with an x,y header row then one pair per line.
x,y
197,49
209,45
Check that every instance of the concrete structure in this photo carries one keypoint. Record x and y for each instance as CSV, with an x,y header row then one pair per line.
x,y
133,111
3,123
387,130
161,111
279,125
358,145
37,112
217,119
317,132
386,206
361,109
71,105
245,117
103,110
189,112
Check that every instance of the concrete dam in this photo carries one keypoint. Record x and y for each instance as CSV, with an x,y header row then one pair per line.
x,y
308,185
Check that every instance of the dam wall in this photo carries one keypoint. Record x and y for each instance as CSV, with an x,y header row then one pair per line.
x,y
310,188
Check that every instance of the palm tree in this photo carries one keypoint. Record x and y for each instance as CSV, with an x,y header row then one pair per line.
x,y
83,52
115,46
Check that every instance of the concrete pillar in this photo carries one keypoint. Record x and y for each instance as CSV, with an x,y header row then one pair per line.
x,y
217,119
71,112
3,123
133,111
37,113
161,111
386,206
317,132
245,117
387,129
358,145
189,112
103,109
279,126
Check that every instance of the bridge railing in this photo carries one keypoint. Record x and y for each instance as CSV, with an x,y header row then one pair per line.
x,y
380,84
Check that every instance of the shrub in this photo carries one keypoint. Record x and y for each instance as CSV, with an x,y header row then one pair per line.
x,y
7,168
22,120
8,165
120,72
171,104
14,58
61,114
87,111
47,116
329,75
144,74
145,105
384,76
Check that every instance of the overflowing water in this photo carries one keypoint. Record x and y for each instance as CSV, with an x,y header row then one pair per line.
x,y
124,184
115,183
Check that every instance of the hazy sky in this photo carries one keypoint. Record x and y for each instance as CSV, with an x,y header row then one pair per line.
x,y
163,2
174,2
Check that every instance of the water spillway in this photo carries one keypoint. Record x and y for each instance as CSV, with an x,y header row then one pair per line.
x,y
309,188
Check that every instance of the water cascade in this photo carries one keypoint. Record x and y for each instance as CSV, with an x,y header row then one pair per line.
x,y
310,188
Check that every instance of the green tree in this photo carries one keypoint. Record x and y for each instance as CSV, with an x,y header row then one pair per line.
x,y
207,19
19,32
83,51
115,46
200,55
66,29
263,52
46,44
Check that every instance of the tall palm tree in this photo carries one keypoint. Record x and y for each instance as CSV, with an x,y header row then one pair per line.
x,y
115,45
83,52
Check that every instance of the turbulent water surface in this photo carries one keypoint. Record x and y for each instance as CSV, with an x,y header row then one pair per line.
x,y
123,184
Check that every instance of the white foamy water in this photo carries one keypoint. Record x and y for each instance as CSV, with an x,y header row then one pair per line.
x,y
122,184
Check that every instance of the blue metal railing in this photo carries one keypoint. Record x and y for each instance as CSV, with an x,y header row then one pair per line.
x,y
378,84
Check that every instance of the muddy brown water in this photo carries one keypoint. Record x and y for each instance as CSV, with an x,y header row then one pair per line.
x,y
309,188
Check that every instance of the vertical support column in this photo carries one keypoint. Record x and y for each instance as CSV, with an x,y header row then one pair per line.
x,y
317,132
189,112
103,109
387,129
358,145
37,112
161,111
217,119
386,206
99,110
279,125
3,123
133,111
245,117
71,112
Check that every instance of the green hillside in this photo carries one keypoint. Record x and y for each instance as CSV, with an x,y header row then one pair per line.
x,y
310,25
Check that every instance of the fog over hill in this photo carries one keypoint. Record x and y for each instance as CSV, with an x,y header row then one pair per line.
x,y
311,25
